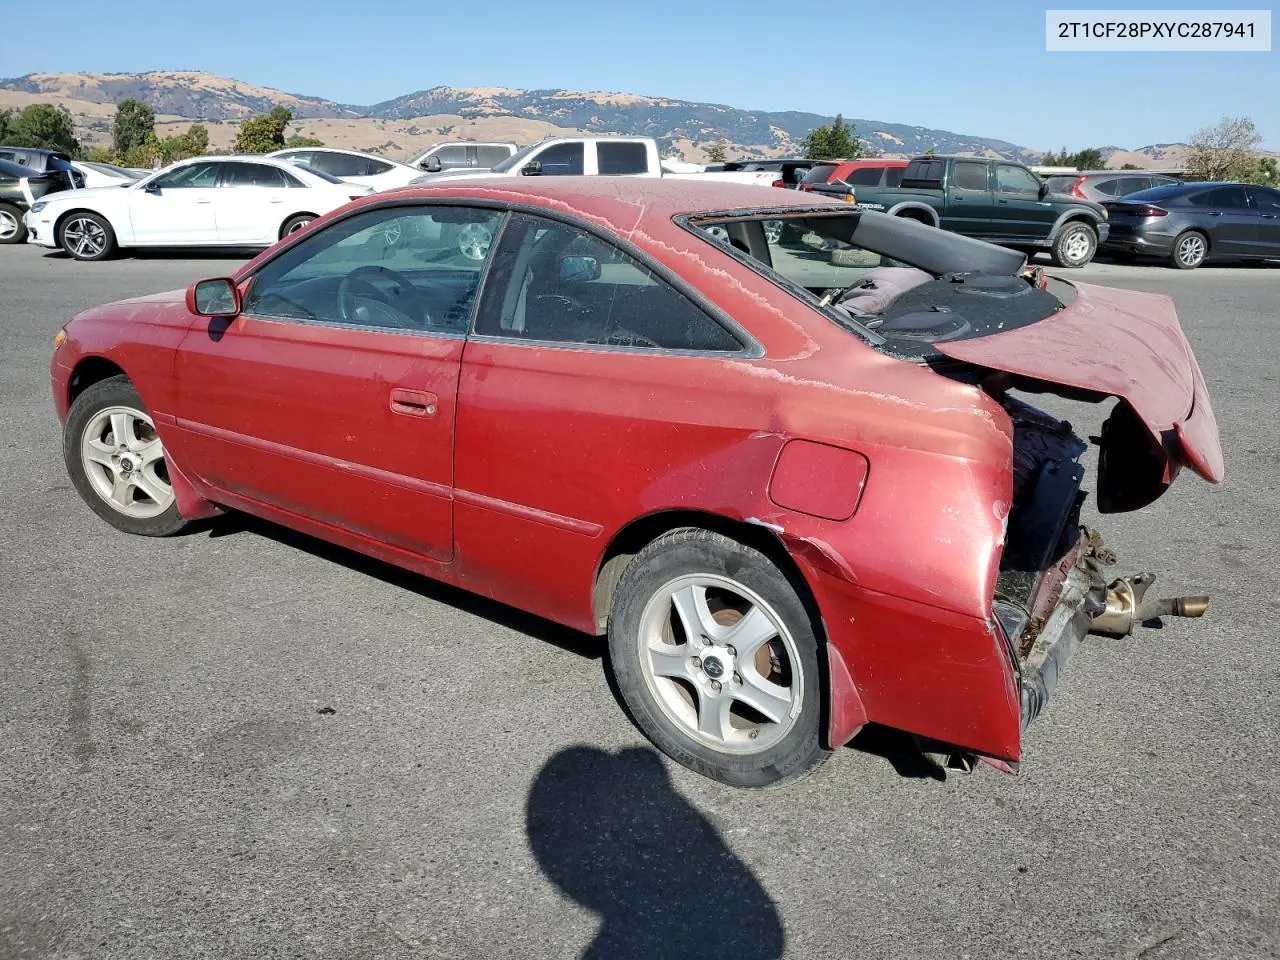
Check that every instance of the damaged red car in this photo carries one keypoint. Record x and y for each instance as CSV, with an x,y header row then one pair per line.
x,y
790,481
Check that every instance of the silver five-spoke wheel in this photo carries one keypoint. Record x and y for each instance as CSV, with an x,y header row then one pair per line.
x,y
1077,246
84,237
1191,249
721,663
8,225
124,462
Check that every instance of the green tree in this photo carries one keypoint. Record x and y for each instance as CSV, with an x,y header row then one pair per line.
x,y
43,125
1089,158
193,143
1228,151
1129,166
718,151
4,125
1264,172
299,141
834,141
263,133
134,126
929,152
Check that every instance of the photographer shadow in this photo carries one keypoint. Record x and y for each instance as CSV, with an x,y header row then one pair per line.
x,y
610,831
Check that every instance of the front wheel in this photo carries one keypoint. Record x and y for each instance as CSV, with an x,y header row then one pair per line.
x,y
12,229
716,657
1074,245
87,236
117,462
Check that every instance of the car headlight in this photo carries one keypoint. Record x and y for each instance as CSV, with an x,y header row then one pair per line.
x,y
38,206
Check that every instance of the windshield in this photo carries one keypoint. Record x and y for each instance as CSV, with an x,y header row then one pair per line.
x,y
517,159
110,169
901,287
819,173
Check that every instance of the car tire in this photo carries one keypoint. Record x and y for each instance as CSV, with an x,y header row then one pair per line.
x,y
748,718
1190,250
116,461
86,236
12,229
295,223
1075,245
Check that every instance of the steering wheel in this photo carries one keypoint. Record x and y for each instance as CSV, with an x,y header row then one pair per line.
x,y
403,303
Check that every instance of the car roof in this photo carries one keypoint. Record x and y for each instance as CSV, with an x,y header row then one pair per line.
x,y
626,202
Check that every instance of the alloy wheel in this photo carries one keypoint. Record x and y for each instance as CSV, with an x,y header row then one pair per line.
x,y
772,231
1191,250
297,225
8,225
721,663
474,240
84,237
124,460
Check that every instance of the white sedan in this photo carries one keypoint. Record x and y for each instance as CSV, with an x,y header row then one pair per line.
x,y
103,174
203,202
352,166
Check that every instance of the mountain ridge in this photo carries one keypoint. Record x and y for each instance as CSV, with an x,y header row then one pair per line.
x,y
410,121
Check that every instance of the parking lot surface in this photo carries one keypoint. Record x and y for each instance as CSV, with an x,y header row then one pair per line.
x,y
246,743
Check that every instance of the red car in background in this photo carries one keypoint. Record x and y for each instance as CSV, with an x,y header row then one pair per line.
x,y
834,177
795,493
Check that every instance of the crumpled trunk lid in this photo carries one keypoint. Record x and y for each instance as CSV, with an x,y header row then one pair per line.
x,y
1128,345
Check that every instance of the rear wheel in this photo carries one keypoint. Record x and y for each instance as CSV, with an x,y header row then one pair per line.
x,y
716,657
1189,250
117,462
294,224
1075,245
12,229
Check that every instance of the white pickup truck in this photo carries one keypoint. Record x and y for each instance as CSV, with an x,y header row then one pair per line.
x,y
597,157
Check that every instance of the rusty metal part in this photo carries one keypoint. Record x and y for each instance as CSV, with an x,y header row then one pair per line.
x,y
1127,606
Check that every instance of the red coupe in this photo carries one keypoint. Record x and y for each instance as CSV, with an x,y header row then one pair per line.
x,y
790,482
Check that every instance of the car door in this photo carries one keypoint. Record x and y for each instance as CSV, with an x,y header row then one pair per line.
x,y
969,206
332,395
1267,202
253,201
176,206
566,406
1021,213
1232,224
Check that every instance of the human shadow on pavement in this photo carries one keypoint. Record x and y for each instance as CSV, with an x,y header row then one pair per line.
x,y
611,832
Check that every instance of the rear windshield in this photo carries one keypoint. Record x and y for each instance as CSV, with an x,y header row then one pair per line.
x,y
901,288
314,172
926,172
1157,193
819,173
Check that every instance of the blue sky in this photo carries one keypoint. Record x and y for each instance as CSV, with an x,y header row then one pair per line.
x,y
976,67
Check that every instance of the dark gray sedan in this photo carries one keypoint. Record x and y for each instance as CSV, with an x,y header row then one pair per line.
x,y
1190,223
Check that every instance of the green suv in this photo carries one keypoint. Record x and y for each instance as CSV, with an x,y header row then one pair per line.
x,y
993,200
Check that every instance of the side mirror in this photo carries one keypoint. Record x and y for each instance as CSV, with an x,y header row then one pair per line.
x,y
532,169
433,164
579,269
219,297
1044,189
152,186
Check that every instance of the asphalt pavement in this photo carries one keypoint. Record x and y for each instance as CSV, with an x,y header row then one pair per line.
x,y
246,743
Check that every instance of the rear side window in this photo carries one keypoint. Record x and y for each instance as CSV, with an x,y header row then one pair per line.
x,y
893,176
621,159
926,173
488,156
1268,201
554,282
1229,198
1110,188
865,177
253,175
340,164
561,160
969,176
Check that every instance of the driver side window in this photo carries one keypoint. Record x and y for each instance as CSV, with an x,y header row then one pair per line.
x,y
191,176
392,268
553,282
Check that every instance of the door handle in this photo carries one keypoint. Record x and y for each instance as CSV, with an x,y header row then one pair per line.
x,y
1003,202
204,200
1214,213
413,403
1268,216
276,200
